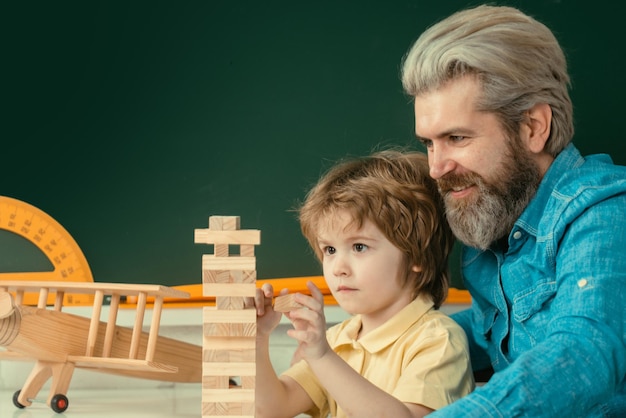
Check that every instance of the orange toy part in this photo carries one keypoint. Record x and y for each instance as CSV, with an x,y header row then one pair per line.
x,y
294,284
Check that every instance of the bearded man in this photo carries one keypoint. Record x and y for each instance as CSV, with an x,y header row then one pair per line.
x,y
543,228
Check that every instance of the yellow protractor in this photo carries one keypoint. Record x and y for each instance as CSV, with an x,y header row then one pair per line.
x,y
68,261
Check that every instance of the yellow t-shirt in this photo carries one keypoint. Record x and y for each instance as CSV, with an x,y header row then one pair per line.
x,y
419,356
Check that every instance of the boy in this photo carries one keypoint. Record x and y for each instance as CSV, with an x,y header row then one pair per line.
x,y
377,226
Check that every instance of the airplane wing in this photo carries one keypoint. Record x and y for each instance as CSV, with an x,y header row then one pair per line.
x,y
48,334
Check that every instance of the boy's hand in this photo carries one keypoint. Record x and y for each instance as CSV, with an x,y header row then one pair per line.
x,y
309,324
267,318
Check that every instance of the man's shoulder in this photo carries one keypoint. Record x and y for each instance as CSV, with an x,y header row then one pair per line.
x,y
595,172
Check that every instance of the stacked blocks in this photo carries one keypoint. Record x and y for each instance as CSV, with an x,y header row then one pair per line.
x,y
229,329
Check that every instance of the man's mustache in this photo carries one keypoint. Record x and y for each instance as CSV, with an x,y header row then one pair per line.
x,y
453,181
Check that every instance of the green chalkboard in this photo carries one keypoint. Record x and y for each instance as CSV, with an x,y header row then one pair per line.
x,y
130,123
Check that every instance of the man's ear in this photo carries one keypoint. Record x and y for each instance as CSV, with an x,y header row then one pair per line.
x,y
536,129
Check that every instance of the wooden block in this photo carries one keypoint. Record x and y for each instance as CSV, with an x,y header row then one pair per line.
x,y
248,382
211,262
216,276
221,250
238,237
229,276
229,343
242,330
229,368
243,355
227,410
246,251
215,316
228,395
216,330
241,276
213,356
224,223
229,289
216,382
235,355
286,303
229,330
233,303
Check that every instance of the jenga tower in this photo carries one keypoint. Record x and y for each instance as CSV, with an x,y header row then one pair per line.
x,y
229,341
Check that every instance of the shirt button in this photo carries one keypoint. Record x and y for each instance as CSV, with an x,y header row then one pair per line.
x,y
582,283
517,235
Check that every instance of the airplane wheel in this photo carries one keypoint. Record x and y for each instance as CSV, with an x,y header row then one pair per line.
x,y
15,401
59,403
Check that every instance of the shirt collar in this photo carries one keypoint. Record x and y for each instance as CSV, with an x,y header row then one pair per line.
x,y
567,159
389,332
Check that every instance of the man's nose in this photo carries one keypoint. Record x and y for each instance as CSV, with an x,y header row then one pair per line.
x,y
439,161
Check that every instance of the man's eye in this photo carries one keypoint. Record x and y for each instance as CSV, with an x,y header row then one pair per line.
x,y
427,143
456,138
360,247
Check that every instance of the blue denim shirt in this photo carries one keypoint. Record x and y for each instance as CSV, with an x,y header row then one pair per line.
x,y
548,313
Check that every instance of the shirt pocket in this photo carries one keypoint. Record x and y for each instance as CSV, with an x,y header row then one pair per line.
x,y
529,303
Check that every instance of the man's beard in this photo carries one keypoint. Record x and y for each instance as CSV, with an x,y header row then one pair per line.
x,y
490,213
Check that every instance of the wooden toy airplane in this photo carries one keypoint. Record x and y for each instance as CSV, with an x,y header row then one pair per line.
x,y
58,341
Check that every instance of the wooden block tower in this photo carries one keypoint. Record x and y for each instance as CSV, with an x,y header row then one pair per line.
x,y
229,341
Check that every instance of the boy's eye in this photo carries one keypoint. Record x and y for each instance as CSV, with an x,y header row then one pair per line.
x,y
360,247
329,250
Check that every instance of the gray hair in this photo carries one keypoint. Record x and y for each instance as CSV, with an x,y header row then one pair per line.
x,y
517,60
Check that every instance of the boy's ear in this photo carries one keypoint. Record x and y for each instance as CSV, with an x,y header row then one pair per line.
x,y
416,268
536,130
